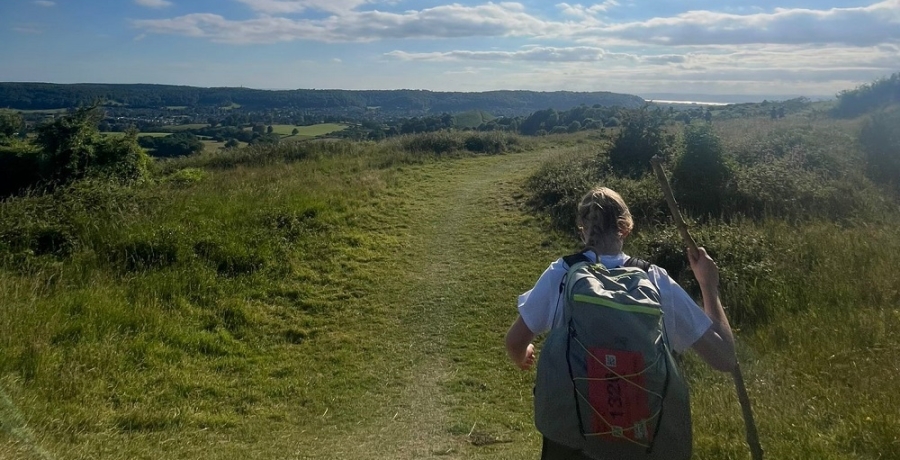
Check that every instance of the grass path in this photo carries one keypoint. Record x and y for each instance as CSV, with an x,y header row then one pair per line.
x,y
451,305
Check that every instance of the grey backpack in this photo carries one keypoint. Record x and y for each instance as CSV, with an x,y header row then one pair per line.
x,y
607,383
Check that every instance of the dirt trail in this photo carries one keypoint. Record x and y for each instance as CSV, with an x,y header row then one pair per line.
x,y
446,207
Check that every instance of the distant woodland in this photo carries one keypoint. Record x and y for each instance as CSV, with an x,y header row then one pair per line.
x,y
45,96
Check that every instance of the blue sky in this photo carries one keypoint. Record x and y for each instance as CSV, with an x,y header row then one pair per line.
x,y
764,47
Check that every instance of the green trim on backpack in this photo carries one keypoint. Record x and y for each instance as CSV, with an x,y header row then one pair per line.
x,y
618,306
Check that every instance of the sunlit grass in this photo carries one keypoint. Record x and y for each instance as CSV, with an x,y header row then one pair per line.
x,y
351,303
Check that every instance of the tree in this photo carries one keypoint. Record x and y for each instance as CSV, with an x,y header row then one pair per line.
x,y
232,143
702,174
269,129
72,148
10,123
295,131
574,126
68,145
265,139
173,145
641,138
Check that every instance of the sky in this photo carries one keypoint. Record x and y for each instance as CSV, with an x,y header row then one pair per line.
x,y
756,47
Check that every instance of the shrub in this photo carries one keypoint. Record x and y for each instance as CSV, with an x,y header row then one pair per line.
x,y
557,186
750,279
186,176
173,145
19,168
10,124
880,140
701,174
641,138
72,148
439,142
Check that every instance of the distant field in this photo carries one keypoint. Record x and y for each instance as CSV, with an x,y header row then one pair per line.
x,y
311,131
47,111
472,119
120,134
303,132
306,132
177,128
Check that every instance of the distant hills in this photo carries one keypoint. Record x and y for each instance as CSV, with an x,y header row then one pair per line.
x,y
729,98
46,96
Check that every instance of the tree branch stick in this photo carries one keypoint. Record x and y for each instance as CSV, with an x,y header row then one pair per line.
x,y
756,451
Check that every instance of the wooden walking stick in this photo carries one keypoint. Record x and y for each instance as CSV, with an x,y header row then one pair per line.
x,y
752,437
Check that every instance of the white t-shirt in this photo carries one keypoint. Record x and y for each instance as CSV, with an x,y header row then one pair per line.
x,y
685,322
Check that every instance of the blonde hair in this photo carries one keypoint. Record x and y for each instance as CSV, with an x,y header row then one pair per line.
x,y
604,220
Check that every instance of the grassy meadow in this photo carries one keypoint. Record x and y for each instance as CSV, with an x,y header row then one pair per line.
x,y
349,300
306,132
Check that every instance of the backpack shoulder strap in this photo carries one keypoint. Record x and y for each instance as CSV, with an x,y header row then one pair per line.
x,y
570,261
573,259
638,263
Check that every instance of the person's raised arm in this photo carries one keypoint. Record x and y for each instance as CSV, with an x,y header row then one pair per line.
x,y
716,346
518,344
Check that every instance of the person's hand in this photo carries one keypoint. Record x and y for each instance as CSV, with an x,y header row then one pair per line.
x,y
528,360
705,269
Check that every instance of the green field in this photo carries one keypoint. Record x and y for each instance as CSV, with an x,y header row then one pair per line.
x,y
41,111
306,132
177,128
351,303
472,119
120,134
211,146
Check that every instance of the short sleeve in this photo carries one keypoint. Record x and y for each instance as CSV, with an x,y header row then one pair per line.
x,y
685,321
538,306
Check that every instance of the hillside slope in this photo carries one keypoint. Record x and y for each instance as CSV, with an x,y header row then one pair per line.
x,y
34,96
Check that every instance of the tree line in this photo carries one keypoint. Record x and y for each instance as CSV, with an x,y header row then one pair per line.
x,y
42,96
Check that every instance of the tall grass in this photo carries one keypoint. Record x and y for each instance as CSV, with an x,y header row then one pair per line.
x,y
277,302
139,309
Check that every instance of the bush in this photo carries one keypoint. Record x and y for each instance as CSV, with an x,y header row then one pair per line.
x,y
19,168
557,187
642,137
439,142
174,145
72,148
880,140
701,175
10,124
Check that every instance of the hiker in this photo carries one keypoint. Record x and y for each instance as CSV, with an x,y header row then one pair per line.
x,y
604,222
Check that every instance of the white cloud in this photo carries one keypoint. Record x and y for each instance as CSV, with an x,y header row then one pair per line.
x,y
581,11
769,58
44,3
297,6
534,53
448,21
154,3
31,30
859,26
